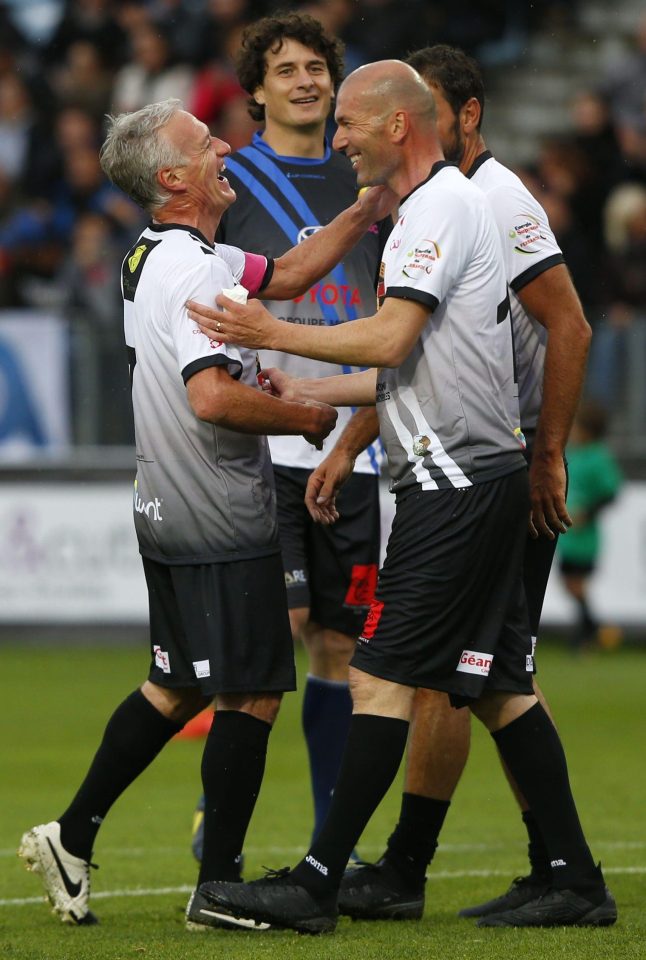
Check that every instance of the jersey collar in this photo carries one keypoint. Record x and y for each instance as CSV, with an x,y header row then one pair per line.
x,y
258,142
437,166
477,163
162,227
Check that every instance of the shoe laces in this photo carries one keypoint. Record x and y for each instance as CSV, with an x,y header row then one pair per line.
x,y
271,874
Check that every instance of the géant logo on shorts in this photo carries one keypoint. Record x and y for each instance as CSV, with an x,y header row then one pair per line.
x,y
472,661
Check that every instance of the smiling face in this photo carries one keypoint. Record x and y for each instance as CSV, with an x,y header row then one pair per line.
x,y
360,135
202,173
297,88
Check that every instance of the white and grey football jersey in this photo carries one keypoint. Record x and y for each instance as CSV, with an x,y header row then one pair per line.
x,y
203,493
449,414
529,248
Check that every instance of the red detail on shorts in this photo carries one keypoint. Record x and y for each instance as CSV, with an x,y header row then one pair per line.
x,y
372,620
363,583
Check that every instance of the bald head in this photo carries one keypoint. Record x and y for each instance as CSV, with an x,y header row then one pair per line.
x,y
390,85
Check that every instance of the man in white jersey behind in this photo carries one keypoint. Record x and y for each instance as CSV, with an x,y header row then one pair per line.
x,y
450,611
551,338
204,501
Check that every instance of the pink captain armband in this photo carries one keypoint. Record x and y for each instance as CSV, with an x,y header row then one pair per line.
x,y
255,268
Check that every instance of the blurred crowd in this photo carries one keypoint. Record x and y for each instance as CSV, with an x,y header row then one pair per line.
x,y
65,64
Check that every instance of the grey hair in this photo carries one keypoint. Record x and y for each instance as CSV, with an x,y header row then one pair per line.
x,y
133,152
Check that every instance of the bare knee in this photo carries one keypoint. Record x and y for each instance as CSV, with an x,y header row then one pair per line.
x,y
383,698
498,708
262,706
298,618
180,704
329,652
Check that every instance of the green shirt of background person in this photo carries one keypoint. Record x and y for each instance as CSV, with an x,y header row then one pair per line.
x,y
594,480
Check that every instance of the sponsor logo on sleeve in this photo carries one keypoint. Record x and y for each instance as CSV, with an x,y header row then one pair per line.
x,y
473,662
162,660
526,233
202,668
422,258
529,664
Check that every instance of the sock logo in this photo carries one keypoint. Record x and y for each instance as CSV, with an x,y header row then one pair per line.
x,y
558,863
315,863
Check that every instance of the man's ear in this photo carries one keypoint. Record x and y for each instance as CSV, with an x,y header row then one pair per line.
x,y
259,96
170,178
399,124
470,115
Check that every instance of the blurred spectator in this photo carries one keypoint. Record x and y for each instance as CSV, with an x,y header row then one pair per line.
x,y
624,328
34,21
35,237
89,297
624,88
94,21
83,80
594,480
337,17
384,29
153,74
27,156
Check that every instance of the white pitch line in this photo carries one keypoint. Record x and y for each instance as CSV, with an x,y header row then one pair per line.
x,y
185,888
368,848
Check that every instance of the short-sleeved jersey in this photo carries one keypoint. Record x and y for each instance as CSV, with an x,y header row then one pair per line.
x,y
281,201
449,413
529,248
203,493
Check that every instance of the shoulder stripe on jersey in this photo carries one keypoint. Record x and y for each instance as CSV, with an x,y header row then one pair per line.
x,y
217,360
535,271
410,293
133,265
267,167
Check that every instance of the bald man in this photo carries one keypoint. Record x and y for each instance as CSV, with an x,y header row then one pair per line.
x,y
449,612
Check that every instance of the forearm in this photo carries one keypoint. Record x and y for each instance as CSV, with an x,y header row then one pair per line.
x,y
359,432
563,377
552,300
346,390
246,410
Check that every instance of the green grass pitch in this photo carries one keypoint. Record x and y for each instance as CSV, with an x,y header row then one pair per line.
x,y
55,704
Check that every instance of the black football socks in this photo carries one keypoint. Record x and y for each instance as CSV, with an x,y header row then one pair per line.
x,y
412,844
233,764
372,756
134,735
532,750
327,710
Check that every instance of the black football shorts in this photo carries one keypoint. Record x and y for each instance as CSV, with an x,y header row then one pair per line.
x,y
221,626
330,569
450,611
